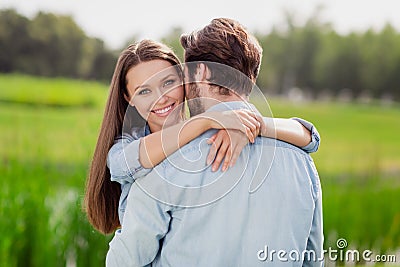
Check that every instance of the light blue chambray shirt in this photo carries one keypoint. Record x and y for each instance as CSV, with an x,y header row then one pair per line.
x,y
124,165
183,214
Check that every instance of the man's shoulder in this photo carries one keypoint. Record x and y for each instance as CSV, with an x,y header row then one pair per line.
x,y
194,147
196,151
290,148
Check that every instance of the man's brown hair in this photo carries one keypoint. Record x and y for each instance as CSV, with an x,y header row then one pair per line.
x,y
227,42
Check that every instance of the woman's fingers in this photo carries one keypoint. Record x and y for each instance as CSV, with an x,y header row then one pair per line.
x,y
227,146
212,139
235,120
250,120
220,155
235,155
216,143
250,135
238,143
220,151
227,159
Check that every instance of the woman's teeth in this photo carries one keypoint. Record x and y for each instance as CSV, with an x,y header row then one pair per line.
x,y
164,110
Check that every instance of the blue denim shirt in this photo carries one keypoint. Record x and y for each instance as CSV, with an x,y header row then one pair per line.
x,y
124,165
183,214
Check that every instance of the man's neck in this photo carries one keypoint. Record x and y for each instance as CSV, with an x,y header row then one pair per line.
x,y
223,98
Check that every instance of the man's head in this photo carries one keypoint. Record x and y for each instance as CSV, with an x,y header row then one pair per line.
x,y
238,53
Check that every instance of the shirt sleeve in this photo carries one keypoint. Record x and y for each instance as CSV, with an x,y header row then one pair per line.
x,y
315,137
316,237
123,161
146,222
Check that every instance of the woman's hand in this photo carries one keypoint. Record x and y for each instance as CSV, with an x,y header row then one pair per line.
x,y
243,120
226,145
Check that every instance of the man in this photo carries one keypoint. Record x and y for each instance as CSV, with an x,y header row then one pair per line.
x,y
265,210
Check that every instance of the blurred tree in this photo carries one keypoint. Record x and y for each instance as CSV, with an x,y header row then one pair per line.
x,y
339,63
57,45
172,39
307,48
312,56
51,45
14,40
103,62
381,62
290,54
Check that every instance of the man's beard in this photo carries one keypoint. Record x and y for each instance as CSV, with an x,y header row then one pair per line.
x,y
194,102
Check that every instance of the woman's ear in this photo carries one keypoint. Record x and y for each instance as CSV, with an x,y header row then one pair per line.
x,y
129,100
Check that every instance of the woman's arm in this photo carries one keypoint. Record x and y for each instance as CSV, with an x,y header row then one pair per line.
x,y
155,147
295,131
228,144
287,130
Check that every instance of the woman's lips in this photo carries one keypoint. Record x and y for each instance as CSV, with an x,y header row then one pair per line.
x,y
162,112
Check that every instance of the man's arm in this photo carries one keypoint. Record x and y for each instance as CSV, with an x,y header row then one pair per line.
x,y
146,222
316,238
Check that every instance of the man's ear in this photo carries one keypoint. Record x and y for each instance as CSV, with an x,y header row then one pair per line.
x,y
128,100
202,73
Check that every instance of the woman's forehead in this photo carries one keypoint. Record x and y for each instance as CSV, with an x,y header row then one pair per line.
x,y
149,72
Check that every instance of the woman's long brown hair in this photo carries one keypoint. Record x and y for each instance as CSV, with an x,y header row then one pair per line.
x,y
102,195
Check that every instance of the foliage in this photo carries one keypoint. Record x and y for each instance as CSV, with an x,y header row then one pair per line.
x,y
51,45
311,56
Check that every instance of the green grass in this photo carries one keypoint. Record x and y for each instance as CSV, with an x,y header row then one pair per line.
x,y
356,138
45,152
56,92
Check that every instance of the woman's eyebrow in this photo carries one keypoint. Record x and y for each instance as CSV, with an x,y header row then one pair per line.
x,y
168,76
141,86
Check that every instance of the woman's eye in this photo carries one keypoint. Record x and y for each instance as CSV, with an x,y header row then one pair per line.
x,y
169,82
144,92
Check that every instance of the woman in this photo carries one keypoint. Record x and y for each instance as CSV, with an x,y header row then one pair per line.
x,y
148,80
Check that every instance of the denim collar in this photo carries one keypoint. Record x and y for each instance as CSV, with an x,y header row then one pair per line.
x,y
232,105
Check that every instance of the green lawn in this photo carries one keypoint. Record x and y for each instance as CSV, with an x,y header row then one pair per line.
x,y
356,138
56,92
46,144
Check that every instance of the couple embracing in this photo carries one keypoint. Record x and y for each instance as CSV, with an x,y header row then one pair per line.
x,y
224,187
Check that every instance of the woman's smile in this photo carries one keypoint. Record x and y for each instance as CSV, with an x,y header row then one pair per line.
x,y
164,111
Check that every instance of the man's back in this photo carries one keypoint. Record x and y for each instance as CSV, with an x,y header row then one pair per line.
x,y
269,201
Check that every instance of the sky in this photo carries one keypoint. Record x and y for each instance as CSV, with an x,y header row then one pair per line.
x,y
118,21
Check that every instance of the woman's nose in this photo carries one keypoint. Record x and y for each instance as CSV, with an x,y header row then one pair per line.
x,y
163,98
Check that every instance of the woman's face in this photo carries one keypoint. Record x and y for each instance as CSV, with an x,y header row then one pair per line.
x,y
156,90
